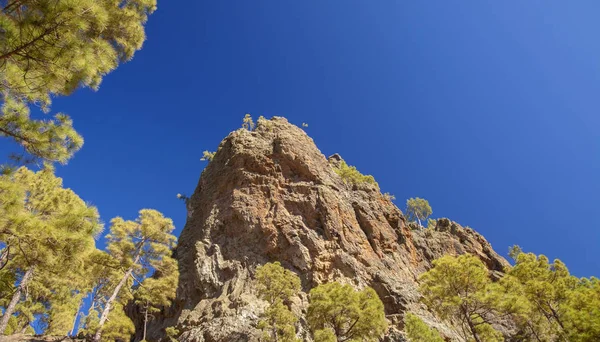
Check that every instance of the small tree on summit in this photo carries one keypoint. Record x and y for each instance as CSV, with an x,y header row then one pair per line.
x,y
418,209
247,122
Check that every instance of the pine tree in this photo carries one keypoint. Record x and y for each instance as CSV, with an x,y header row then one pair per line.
x,y
455,288
51,47
419,331
47,231
348,314
418,209
277,286
247,122
137,247
556,299
157,291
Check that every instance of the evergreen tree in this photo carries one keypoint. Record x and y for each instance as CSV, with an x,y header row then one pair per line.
x,y
418,209
158,290
51,47
137,247
419,331
46,231
560,306
247,122
277,286
455,288
339,312
581,312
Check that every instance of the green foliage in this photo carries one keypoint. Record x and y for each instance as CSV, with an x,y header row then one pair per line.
x,y
389,196
277,286
135,248
514,251
278,323
263,122
247,122
276,283
119,327
544,302
431,223
351,175
157,291
47,232
172,333
50,48
418,331
558,305
418,209
455,288
325,335
208,156
349,314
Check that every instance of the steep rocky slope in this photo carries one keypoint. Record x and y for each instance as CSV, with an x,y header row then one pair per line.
x,y
269,195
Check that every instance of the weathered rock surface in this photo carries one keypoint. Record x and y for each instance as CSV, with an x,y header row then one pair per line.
x,y
269,195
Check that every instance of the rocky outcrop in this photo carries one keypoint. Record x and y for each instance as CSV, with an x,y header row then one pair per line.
x,y
270,194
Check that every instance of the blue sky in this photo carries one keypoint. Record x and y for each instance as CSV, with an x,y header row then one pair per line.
x,y
488,109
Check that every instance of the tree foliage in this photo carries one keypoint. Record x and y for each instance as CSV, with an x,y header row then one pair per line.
x,y
46,233
351,175
543,301
559,306
455,288
247,122
208,156
135,248
341,312
418,331
418,209
157,291
52,47
277,286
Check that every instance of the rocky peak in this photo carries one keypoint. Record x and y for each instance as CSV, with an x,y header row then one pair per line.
x,y
271,195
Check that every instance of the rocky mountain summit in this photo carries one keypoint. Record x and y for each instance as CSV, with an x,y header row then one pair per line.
x,y
270,195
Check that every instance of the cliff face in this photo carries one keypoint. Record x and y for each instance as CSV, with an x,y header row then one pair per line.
x,y
271,195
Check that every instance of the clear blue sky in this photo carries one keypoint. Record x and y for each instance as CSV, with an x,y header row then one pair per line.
x,y
489,109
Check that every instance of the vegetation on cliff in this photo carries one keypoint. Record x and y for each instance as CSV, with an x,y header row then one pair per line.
x,y
541,300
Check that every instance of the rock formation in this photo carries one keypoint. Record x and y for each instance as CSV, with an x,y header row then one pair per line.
x,y
271,195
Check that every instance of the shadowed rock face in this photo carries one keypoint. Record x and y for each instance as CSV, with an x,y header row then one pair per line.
x,y
271,195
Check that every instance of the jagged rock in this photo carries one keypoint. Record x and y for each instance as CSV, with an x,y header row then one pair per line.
x,y
269,195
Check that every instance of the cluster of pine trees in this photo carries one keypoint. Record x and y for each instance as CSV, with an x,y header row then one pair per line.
x,y
51,272
336,312
534,301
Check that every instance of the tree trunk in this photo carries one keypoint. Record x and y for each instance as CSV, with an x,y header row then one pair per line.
x,y
472,328
72,333
112,298
145,322
24,329
10,309
4,257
